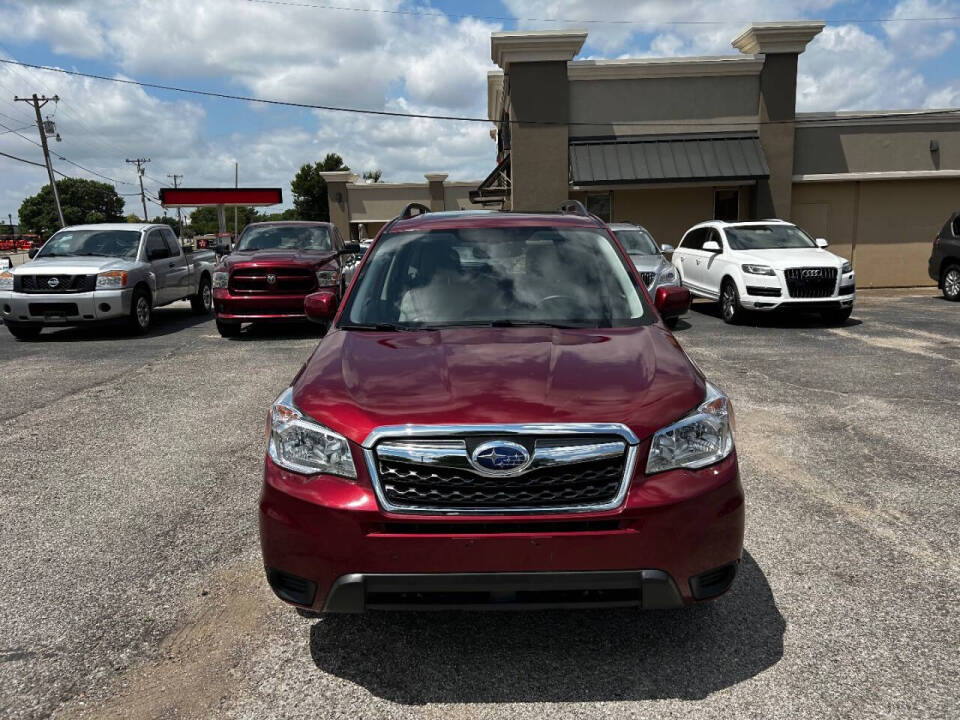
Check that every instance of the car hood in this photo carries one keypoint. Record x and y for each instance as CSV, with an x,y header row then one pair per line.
x,y
357,381
73,266
306,258
649,263
798,257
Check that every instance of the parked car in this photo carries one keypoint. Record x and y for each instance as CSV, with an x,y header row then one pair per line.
x,y
655,270
89,273
274,266
944,264
764,265
520,431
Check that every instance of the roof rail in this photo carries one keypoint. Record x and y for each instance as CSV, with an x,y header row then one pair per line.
x,y
573,207
408,209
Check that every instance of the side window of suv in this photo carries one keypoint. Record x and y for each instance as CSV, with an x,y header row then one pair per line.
x,y
156,247
956,226
172,243
694,239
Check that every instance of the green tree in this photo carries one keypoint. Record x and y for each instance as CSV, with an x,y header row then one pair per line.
x,y
373,175
288,214
165,220
310,190
204,220
82,201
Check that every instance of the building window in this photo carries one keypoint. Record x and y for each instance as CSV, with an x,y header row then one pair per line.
x,y
599,204
726,205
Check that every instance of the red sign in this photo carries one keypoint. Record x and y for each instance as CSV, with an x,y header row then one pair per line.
x,y
201,197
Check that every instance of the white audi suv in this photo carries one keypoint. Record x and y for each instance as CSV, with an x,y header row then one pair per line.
x,y
764,265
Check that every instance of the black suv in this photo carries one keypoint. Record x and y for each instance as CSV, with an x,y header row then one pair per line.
x,y
945,258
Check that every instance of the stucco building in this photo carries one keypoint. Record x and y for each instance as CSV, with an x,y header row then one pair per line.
x,y
668,142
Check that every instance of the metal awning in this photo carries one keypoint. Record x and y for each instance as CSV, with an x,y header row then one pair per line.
x,y
495,188
670,158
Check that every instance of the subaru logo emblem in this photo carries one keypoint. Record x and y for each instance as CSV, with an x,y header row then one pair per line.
x,y
53,282
500,457
271,279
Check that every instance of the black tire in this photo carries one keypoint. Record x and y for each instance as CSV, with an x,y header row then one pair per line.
x,y
671,322
836,317
24,332
141,312
227,329
731,310
950,282
202,302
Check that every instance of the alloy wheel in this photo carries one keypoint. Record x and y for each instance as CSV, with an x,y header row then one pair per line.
x,y
729,302
207,295
143,312
951,283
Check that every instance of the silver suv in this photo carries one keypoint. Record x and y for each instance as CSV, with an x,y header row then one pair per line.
x,y
655,270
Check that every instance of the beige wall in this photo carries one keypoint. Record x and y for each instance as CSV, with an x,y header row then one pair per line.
x,y
657,100
885,227
382,201
875,148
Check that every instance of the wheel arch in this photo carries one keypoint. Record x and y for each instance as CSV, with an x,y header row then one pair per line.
x,y
948,261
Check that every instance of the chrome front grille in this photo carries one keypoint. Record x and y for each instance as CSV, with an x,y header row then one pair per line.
x,y
564,471
648,278
279,280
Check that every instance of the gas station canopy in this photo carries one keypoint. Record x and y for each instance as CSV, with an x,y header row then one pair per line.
x,y
222,197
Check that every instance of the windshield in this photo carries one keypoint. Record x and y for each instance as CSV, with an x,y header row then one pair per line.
x,y
106,243
768,237
637,241
285,237
494,276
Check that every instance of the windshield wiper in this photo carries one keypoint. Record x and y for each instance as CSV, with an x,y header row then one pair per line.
x,y
92,255
382,327
518,323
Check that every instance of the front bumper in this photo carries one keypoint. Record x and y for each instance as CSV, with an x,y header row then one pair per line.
x,y
64,308
770,292
327,546
232,307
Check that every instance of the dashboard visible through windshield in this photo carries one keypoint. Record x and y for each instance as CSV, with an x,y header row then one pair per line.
x,y
569,277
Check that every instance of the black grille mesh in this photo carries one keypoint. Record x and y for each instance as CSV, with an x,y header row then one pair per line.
x,y
648,278
413,486
800,283
65,283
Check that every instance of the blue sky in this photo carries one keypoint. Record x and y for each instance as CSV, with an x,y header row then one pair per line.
x,y
432,57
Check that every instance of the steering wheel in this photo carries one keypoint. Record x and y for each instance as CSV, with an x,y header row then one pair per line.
x,y
554,298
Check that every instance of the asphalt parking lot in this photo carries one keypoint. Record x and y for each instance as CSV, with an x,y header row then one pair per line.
x,y
131,582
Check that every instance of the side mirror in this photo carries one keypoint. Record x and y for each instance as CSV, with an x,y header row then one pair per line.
x,y
32,253
711,246
320,307
352,249
672,300
666,248
821,242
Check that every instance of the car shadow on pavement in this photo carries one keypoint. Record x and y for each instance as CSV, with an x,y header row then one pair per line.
x,y
784,319
287,330
166,321
557,656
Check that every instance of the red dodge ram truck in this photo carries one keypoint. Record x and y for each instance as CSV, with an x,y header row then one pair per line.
x,y
274,266
499,417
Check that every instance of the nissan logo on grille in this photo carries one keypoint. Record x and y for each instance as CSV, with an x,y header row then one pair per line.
x,y
811,273
499,456
53,282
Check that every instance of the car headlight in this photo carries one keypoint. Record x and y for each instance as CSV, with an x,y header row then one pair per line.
x,y
6,281
702,438
221,279
301,445
326,278
111,280
847,267
757,269
668,275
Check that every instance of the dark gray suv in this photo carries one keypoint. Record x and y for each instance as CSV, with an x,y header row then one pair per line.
x,y
945,259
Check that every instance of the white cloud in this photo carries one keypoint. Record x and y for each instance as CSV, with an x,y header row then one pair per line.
x,y
922,39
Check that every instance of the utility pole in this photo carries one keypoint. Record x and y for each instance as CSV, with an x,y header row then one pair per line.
x,y
236,184
176,179
39,102
140,162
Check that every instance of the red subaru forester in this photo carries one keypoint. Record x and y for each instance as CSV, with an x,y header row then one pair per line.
x,y
498,417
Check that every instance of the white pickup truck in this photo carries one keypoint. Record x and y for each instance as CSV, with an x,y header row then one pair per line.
x,y
90,273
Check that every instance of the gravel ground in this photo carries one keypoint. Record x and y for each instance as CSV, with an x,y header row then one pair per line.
x,y
132,585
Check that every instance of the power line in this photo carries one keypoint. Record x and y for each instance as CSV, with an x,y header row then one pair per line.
x,y
31,162
585,21
458,118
